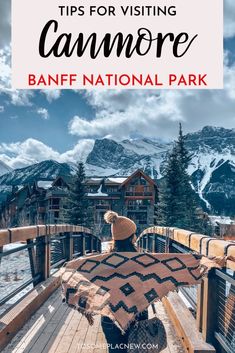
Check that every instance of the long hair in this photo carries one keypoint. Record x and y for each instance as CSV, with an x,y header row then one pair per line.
x,y
125,245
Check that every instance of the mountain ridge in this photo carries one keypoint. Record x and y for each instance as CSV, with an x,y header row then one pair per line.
x,y
4,168
212,166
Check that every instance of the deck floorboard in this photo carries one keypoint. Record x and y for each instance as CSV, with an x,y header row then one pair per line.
x,y
55,328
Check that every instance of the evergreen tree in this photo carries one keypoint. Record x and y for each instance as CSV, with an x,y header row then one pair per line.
x,y
178,203
182,151
169,210
77,211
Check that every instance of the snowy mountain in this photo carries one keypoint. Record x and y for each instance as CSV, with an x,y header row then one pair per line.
x,y
212,166
46,170
123,158
4,168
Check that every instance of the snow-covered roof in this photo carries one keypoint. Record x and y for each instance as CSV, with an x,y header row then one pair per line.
x,y
94,181
221,220
117,180
98,193
45,184
106,180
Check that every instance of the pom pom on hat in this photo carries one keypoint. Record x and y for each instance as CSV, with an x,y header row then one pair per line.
x,y
121,227
110,217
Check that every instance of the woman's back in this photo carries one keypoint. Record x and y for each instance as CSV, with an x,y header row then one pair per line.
x,y
123,235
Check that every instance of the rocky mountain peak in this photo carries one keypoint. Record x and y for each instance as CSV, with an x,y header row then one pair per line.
x,y
212,166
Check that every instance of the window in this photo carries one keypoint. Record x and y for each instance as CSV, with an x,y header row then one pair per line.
x,y
55,201
139,202
101,202
143,181
134,181
146,202
112,189
92,189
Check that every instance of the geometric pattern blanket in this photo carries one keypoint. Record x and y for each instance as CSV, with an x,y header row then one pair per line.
x,y
122,285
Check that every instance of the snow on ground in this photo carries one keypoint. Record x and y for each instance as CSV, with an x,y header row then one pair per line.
x,y
15,299
105,246
12,246
221,219
207,163
14,271
186,302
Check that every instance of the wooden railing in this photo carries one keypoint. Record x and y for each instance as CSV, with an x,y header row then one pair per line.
x,y
214,299
29,255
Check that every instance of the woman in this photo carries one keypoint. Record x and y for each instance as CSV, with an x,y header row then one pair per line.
x,y
123,232
120,287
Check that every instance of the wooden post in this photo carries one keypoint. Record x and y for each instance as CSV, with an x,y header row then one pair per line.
x,y
92,243
69,246
170,246
47,240
200,290
153,243
43,256
156,244
146,243
99,245
32,260
83,244
210,306
1,251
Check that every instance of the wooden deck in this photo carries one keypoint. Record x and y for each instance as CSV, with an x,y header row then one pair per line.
x,y
55,328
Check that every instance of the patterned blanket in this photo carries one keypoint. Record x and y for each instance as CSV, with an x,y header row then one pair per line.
x,y
121,285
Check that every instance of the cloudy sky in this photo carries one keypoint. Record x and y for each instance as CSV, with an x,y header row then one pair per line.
x,y
38,125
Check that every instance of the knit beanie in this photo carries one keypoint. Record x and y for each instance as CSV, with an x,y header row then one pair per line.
x,y
121,227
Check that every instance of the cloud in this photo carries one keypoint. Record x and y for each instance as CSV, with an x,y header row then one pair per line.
x,y
1,109
5,22
154,114
51,95
43,112
124,114
5,69
17,97
229,16
20,97
79,153
21,154
141,113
